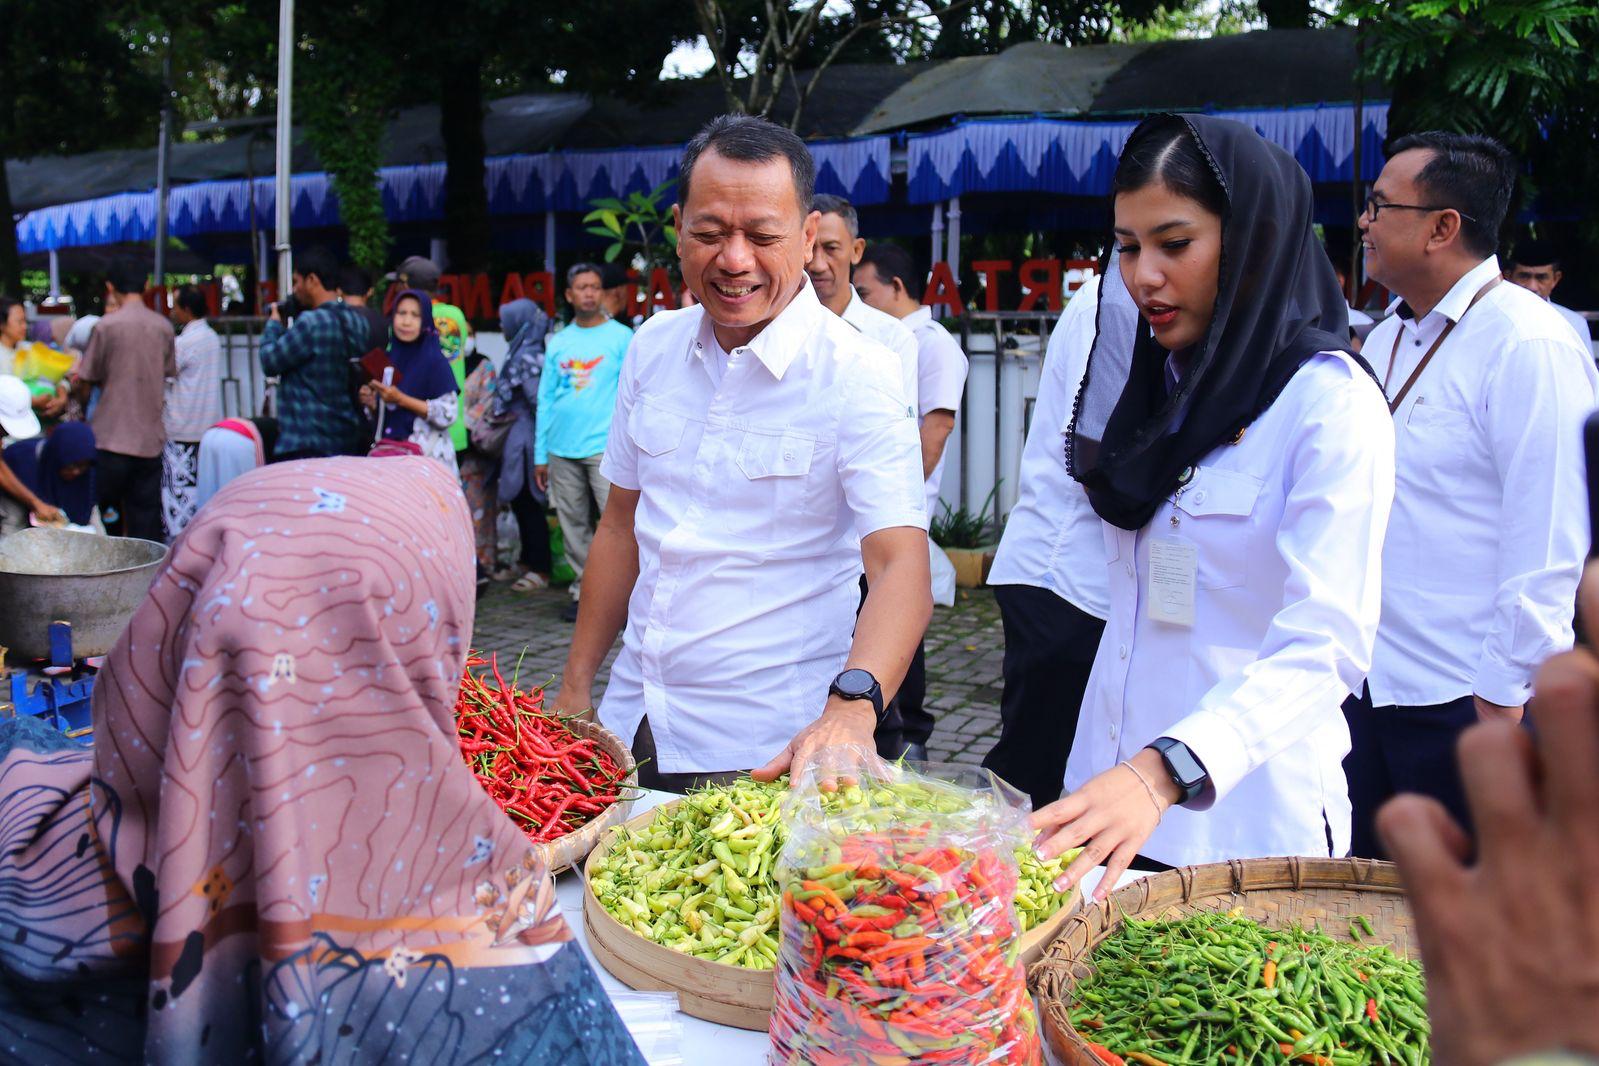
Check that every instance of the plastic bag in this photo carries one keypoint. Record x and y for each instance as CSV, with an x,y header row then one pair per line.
x,y
943,575
900,942
653,1021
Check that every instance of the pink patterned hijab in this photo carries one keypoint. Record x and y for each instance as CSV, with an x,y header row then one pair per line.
x,y
276,853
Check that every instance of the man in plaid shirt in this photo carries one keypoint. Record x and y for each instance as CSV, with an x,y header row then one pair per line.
x,y
316,415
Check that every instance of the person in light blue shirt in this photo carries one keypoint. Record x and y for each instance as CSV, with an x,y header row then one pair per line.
x,y
582,365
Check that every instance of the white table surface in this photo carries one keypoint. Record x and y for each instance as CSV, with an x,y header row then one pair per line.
x,y
702,1042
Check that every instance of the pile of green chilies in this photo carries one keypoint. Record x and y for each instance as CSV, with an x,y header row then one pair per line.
x,y
1220,988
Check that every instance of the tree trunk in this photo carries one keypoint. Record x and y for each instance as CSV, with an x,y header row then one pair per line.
x,y
1286,14
466,200
10,263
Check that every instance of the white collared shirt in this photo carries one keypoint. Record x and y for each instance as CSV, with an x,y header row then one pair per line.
x,y
940,380
892,334
1490,525
754,497
1052,538
1288,527
193,402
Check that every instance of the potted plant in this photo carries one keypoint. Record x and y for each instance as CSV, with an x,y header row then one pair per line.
x,y
969,540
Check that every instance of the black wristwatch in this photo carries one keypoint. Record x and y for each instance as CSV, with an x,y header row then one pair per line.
x,y
859,685
1184,769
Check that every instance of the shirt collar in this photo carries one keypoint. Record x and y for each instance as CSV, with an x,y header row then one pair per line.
x,y
780,342
919,317
194,326
1460,295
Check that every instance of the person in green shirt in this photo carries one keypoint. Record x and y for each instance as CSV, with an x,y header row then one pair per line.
x,y
423,274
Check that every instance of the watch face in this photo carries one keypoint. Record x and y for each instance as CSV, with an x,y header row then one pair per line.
x,y
854,682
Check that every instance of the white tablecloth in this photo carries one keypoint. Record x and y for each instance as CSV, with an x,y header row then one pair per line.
x,y
704,1043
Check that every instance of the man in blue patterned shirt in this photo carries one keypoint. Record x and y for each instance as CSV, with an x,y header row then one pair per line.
x,y
316,415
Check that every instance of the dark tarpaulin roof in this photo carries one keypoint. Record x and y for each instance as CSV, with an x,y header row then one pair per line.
x,y
528,123
1265,68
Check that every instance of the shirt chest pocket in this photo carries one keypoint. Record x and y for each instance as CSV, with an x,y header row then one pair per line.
x,y
771,482
1437,441
1216,513
657,434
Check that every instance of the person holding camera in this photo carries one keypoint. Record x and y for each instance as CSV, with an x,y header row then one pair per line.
x,y
316,417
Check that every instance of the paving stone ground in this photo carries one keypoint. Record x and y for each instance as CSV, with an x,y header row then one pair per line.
x,y
965,645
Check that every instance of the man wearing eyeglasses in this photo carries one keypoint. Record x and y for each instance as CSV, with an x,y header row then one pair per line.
x,y
1488,390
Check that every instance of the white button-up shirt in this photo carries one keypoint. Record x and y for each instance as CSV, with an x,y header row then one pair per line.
x,y
1579,325
940,380
1490,524
754,496
1052,538
892,334
1288,526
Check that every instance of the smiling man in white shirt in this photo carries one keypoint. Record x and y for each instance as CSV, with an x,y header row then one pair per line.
x,y
1488,388
762,451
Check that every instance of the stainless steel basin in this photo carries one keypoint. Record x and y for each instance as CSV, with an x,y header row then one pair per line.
x,y
93,582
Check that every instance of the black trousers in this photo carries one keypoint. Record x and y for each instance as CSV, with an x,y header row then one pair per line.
x,y
1049,651
1402,749
128,488
534,528
907,720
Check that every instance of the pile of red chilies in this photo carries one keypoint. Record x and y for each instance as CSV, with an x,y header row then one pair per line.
x,y
548,780
902,953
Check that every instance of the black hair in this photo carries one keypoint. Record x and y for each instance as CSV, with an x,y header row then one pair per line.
x,y
828,204
127,276
577,269
1535,253
613,276
1473,174
192,300
1164,150
6,304
891,261
319,263
355,280
747,139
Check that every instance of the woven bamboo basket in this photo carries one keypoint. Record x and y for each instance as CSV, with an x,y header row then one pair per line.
x,y
727,995
1274,892
566,852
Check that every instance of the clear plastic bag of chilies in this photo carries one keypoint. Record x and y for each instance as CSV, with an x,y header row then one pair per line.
x,y
900,940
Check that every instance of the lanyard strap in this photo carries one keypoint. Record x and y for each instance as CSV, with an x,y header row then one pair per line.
x,y
1393,405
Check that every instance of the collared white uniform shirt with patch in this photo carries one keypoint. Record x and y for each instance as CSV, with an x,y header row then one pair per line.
x,y
940,381
1053,538
1490,522
892,334
1288,527
754,495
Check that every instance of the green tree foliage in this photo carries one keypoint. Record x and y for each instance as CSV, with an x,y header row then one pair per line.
x,y
69,82
1522,71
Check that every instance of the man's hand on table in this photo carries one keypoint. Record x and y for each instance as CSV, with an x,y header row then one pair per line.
x,y
845,724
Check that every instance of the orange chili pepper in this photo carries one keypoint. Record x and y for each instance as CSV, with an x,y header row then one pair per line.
x,y
1269,976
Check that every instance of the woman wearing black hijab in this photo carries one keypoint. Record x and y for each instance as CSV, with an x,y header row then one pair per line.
x,y
1242,462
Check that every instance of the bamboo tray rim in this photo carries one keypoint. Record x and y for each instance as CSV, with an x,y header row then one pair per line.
x,y
1231,882
564,853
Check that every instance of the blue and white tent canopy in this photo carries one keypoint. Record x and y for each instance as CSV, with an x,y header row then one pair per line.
x,y
517,184
1077,158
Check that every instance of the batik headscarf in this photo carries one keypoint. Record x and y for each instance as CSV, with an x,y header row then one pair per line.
x,y
1277,305
274,852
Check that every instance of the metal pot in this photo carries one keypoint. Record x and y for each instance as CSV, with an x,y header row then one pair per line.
x,y
55,575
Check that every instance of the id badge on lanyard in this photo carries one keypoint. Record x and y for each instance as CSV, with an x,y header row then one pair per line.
x,y
1173,571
